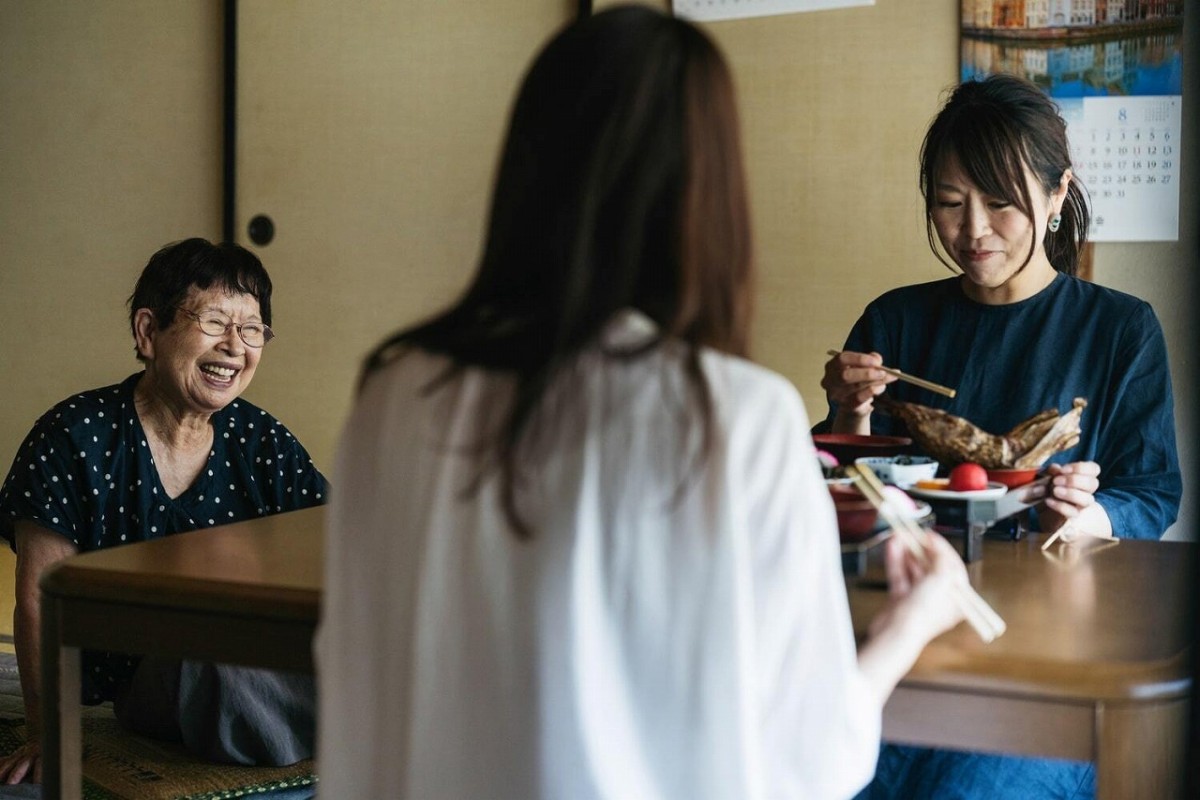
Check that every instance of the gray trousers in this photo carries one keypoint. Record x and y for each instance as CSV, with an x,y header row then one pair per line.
x,y
221,713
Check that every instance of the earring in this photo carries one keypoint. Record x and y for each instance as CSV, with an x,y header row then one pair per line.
x,y
1055,222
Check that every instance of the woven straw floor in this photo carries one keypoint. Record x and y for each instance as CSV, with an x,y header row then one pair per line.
x,y
120,766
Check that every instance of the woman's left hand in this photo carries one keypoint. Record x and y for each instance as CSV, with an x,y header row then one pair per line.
x,y
1070,501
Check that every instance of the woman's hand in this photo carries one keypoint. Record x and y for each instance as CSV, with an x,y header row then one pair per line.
x,y
23,764
1069,507
37,549
851,382
924,603
924,593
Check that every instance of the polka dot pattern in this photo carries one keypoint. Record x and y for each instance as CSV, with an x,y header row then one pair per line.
x,y
84,471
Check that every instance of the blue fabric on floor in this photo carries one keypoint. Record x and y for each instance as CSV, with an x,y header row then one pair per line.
x,y
20,790
918,773
222,713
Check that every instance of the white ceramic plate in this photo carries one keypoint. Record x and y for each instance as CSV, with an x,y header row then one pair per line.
x,y
993,491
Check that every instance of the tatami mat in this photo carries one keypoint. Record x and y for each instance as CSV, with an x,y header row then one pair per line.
x,y
121,766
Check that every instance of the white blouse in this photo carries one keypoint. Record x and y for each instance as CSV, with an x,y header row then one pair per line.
x,y
673,628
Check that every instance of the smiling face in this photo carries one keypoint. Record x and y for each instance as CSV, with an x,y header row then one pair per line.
x,y
192,371
1000,250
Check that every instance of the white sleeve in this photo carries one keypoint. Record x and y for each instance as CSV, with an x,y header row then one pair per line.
x,y
820,732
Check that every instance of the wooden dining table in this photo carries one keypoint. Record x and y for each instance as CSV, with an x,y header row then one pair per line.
x,y
246,593
1094,665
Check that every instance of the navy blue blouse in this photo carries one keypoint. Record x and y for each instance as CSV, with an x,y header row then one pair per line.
x,y
86,472
1008,362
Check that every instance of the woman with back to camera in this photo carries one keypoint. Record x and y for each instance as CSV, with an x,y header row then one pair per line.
x,y
1017,333
582,547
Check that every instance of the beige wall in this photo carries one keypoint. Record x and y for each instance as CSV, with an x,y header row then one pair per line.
x,y
368,134
834,111
109,147
110,122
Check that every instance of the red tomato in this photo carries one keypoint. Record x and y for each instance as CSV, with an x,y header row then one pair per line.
x,y
968,478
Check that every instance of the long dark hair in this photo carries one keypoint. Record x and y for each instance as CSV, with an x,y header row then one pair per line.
x,y
996,127
620,186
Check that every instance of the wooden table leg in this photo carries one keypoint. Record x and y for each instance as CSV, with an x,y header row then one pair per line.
x,y
1141,750
62,750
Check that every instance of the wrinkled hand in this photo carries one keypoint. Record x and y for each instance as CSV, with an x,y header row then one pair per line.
x,y
23,764
1072,490
853,380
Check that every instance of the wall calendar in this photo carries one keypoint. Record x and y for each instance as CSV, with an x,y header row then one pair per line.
x,y
1126,151
1115,69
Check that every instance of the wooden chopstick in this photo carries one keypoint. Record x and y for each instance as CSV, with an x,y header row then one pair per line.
x,y
981,616
974,606
1053,538
1058,533
915,381
985,621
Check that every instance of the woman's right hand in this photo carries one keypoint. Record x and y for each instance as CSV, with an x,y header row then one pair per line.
x,y
923,604
851,382
925,591
22,764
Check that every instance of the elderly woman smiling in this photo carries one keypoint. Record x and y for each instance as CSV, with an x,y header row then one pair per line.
x,y
170,449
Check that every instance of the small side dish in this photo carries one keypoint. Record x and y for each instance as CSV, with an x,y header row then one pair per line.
x,y
902,471
1012,478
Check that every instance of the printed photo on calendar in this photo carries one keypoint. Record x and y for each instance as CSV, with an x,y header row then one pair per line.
x,y
1115,68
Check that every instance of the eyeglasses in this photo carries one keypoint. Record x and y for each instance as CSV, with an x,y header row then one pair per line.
x,y
214,323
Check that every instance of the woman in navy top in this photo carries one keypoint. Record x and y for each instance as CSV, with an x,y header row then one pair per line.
x,y
1017,333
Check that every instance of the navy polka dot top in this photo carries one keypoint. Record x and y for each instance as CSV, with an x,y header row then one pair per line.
x,y
85,471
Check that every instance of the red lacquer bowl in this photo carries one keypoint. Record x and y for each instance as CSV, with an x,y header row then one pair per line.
x,y
846,447
856,517
1012,478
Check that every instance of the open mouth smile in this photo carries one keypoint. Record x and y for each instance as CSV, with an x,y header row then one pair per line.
x,y
219,373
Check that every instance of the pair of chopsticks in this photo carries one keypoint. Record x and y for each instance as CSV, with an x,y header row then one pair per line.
x,y
1054,538
1067,526
904,376
982,617
1070,556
